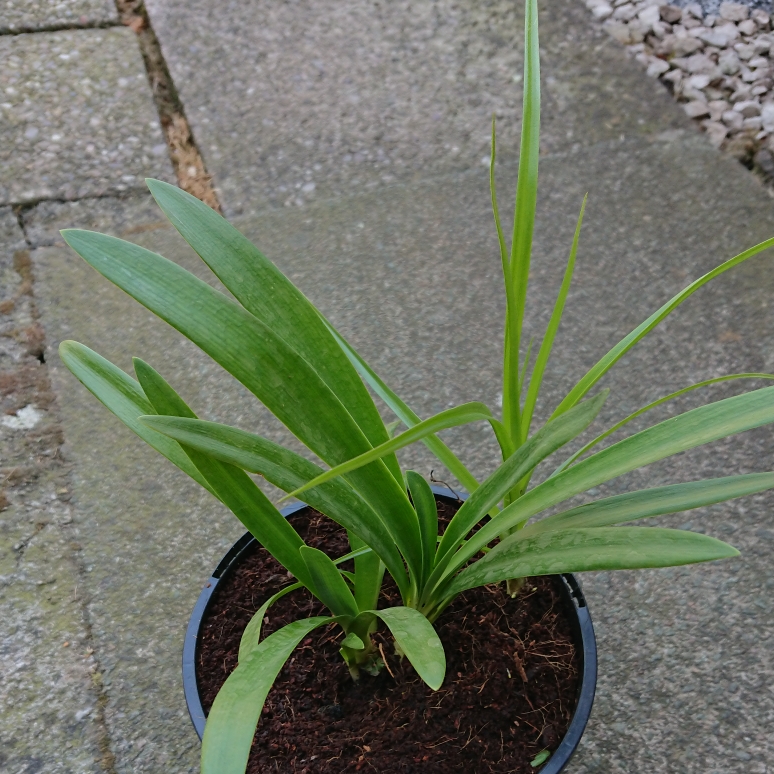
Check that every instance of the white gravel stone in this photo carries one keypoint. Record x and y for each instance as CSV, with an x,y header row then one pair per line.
x,y
671,13
761,18
753,124
728,62
717,107
747,27
761,44
748,108
744,51
602,11
625,12
767,116
734,11
695,10
696,109
716,132
650,15
700,81
657,67
732,119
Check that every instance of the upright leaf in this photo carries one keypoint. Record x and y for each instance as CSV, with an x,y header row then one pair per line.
x,y
546,441
228,734
547,344
330,587
272,370
596,372
424,503
268,295
524,215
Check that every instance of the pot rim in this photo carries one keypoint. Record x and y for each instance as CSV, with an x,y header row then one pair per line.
x,y
581,624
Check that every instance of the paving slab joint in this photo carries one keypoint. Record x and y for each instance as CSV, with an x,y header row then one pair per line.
x,y
189,166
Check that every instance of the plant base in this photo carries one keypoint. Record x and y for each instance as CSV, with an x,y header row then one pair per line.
x,y
485,718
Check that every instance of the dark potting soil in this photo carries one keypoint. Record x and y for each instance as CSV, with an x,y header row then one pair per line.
x,y
509,693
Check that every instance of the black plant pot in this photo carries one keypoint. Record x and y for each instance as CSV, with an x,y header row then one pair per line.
x,y
575,603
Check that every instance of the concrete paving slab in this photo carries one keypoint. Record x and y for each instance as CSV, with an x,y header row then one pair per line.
x,y
316,98
77,117
35,15
49,697
410,274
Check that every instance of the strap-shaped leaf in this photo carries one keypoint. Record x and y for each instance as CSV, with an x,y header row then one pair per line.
x,y
369,574
424,503
658,501
686,431
547,440
596,372
577,550
418,640
228,734
288,470
122,396
330,588
262,361
453,417
658,402
523,220
536,379
441,451
232,485
268,295
251,636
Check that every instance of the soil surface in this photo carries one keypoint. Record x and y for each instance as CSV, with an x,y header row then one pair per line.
x,y
510,689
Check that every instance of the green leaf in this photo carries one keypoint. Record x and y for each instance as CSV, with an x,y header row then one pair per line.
x,y
686,431
591,444
578,550
424,503
232,485
524,218
619,350
540,758
122,396
266,293
251,636
288,470
353,641
369,574
263,362
418,640
441,451
658,501
228,734
546,441
453,417
330,588
547,344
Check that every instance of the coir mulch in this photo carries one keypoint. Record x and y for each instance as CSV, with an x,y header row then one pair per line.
x,y
509,693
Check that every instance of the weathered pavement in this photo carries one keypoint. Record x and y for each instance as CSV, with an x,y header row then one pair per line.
x,y
370,123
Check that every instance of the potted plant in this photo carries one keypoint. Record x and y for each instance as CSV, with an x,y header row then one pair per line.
x,y
404,567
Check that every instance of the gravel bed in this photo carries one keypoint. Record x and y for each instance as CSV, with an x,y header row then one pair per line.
x,y
718,64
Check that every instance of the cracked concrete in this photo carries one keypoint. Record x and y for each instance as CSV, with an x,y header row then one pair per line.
x,y
36,15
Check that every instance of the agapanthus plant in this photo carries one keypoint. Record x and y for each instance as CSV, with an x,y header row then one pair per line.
x,y
283,350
